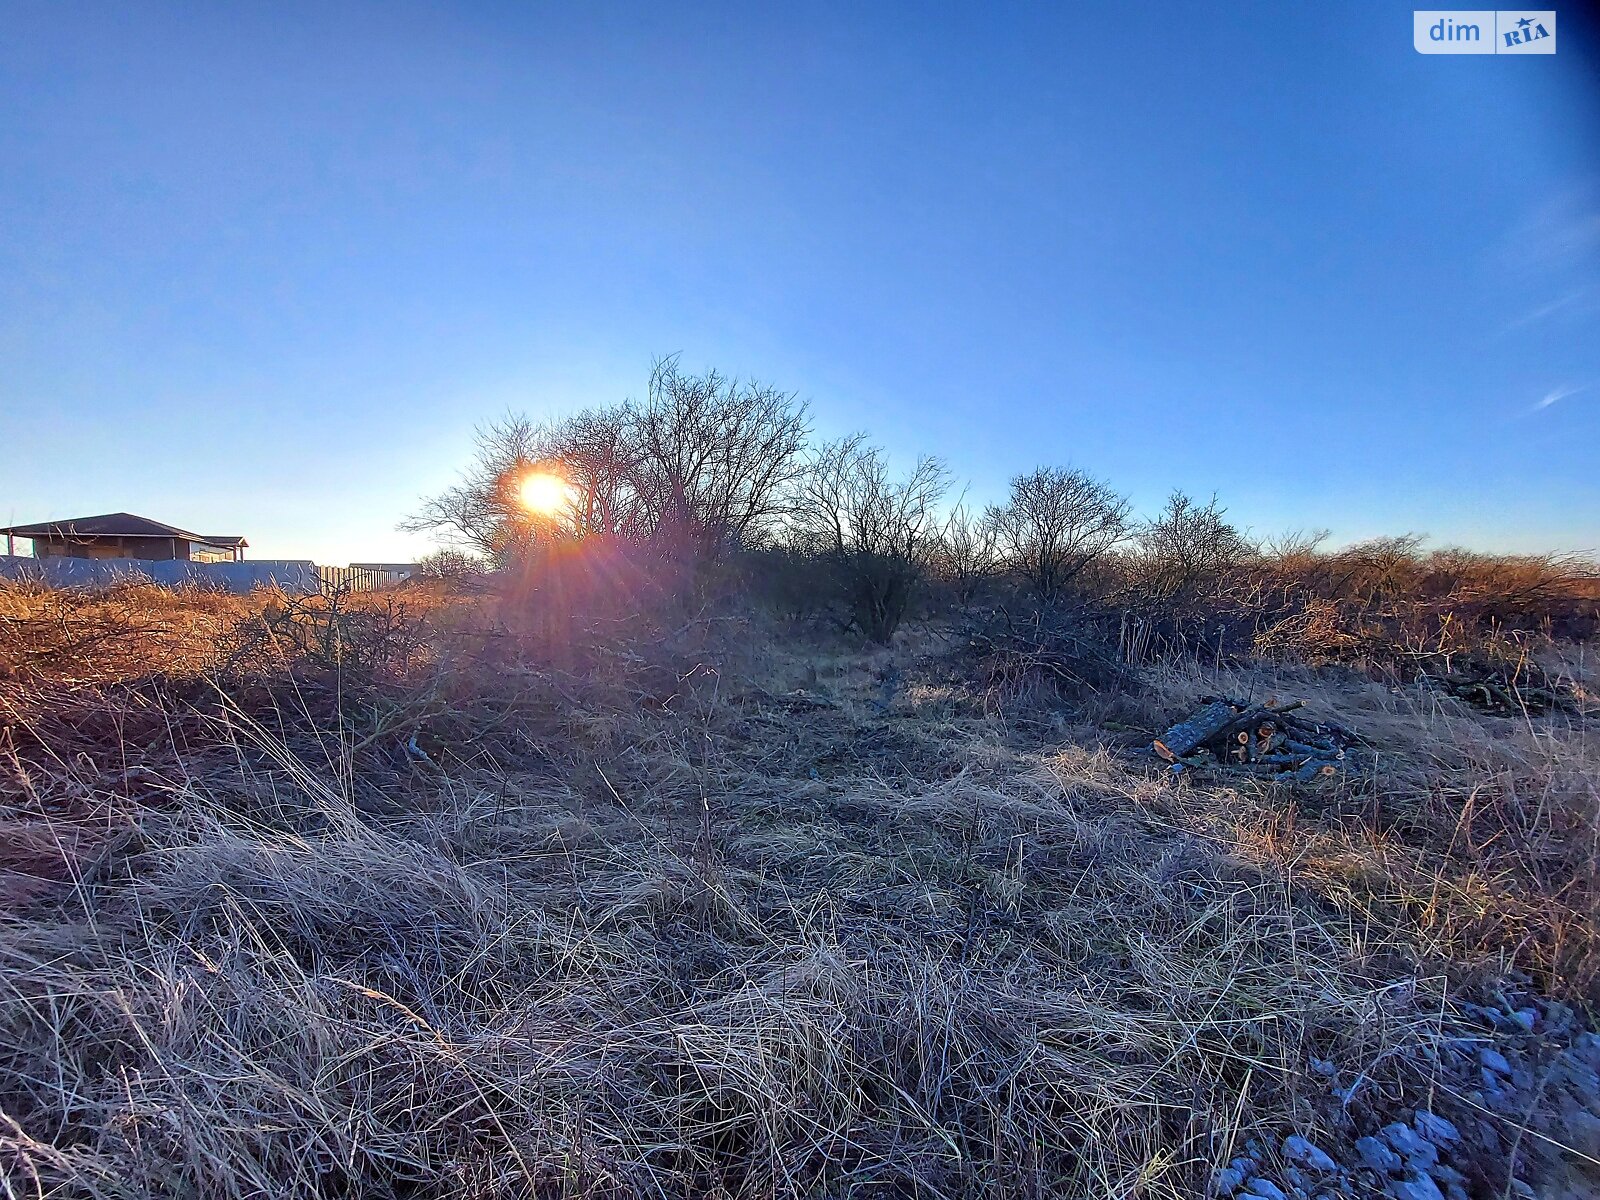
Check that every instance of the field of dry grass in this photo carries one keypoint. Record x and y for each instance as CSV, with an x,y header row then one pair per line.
x,y
373,901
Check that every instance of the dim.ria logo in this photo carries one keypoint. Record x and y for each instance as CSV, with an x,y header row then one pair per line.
x,y
1484,31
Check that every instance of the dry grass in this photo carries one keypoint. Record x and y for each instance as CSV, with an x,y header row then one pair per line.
x,y
1476,837
401,912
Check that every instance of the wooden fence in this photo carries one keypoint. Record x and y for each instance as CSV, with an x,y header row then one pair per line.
x,y
356,579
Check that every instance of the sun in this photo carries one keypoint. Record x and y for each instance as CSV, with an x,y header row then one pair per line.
x,y
544,494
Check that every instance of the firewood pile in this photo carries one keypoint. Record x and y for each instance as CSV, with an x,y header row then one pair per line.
x,y
1268,739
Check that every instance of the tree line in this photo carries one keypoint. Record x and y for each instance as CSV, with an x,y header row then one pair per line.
x,y
707,468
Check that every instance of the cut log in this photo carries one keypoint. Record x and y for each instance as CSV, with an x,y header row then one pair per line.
x,y
1242,722
1182,739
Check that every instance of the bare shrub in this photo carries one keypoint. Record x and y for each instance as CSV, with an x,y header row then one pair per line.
x,y
1056,652
91,636
360,635
1185,549
1054,525
967,555
449,566
876,535
1388,603
787,579
1377,570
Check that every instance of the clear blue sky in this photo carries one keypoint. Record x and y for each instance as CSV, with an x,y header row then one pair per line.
x,y
262,269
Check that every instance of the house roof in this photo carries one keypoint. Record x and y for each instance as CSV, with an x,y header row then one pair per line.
x,y
117,525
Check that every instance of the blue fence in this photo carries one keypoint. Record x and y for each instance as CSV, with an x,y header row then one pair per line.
x,y
295,577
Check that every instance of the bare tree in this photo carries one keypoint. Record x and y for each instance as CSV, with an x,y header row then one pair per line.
x,y
702,463
483,512
1056,523
1186,546
594,450
876,533
712,457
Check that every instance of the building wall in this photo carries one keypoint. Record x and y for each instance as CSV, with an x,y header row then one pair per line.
x,y
147,549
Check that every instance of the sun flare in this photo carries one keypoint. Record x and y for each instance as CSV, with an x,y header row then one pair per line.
x,y
544,493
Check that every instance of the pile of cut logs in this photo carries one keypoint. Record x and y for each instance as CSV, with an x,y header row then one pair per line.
x,y
1258,739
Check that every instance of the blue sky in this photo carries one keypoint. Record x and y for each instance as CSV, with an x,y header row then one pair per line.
x,y
263,269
